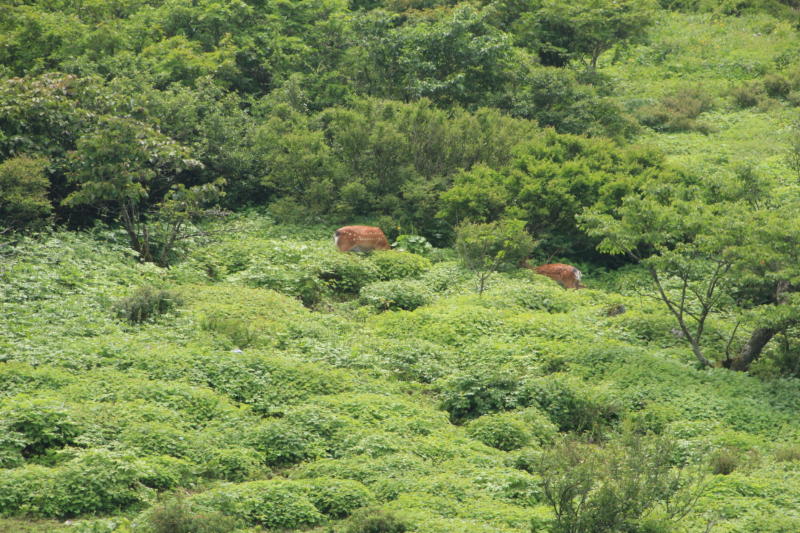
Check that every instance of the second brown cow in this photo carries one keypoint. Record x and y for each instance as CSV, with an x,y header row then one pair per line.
x,y
360,239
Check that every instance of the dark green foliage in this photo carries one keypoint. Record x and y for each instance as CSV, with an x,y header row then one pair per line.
x,y
488,247
145,303
747,95
501,431
23,193
777,86
416,244
397,294
615,487
273,504
346,273
554,97
37,426
178,516
549,181
375,521
237,330
678,111
789,452
394,265
725,460
571,406
337,498
480,392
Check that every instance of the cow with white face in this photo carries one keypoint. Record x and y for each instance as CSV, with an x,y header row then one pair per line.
x,y
360,239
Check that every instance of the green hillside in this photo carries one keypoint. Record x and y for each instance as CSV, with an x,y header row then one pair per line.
x,y
184,350
279,416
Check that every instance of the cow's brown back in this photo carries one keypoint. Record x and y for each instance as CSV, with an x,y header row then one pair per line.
x,y
567,276
360,239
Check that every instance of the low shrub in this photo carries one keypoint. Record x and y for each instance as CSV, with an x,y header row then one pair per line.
x,y
678,111
747,95
346,273
480,392
156,438
179,516
416,244
93,482
240,332
273,504
145,303
396,294
571,405
788,452
375,521
336,498
395,264
298,281
777,86
38,425
162,472
283,444
232,463
444,276
503,431
725,460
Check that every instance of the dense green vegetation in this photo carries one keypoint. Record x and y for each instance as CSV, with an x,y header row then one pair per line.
x,y
182,349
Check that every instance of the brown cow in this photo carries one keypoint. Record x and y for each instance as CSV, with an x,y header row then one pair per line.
x,y
567,276
360,239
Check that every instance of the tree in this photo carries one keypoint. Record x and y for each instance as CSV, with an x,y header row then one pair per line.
x,y
23,194
548,181
735,255
584,29
487,248
628,485
135,171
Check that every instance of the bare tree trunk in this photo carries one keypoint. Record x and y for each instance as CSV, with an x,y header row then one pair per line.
x,y
760,337
752,349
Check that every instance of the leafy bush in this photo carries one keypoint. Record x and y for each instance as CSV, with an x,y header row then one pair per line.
x,y
570,405
38,425
777,86
145,303
397,294
416,244
178,516
788,452
237,330
480,392
23,193
486,248
272,504
163,472
444,276
394,265
616,487
336,498
503,431
233,463
725,460
678,111
283,443
157,438
375,521
747,95
93,482
346,273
